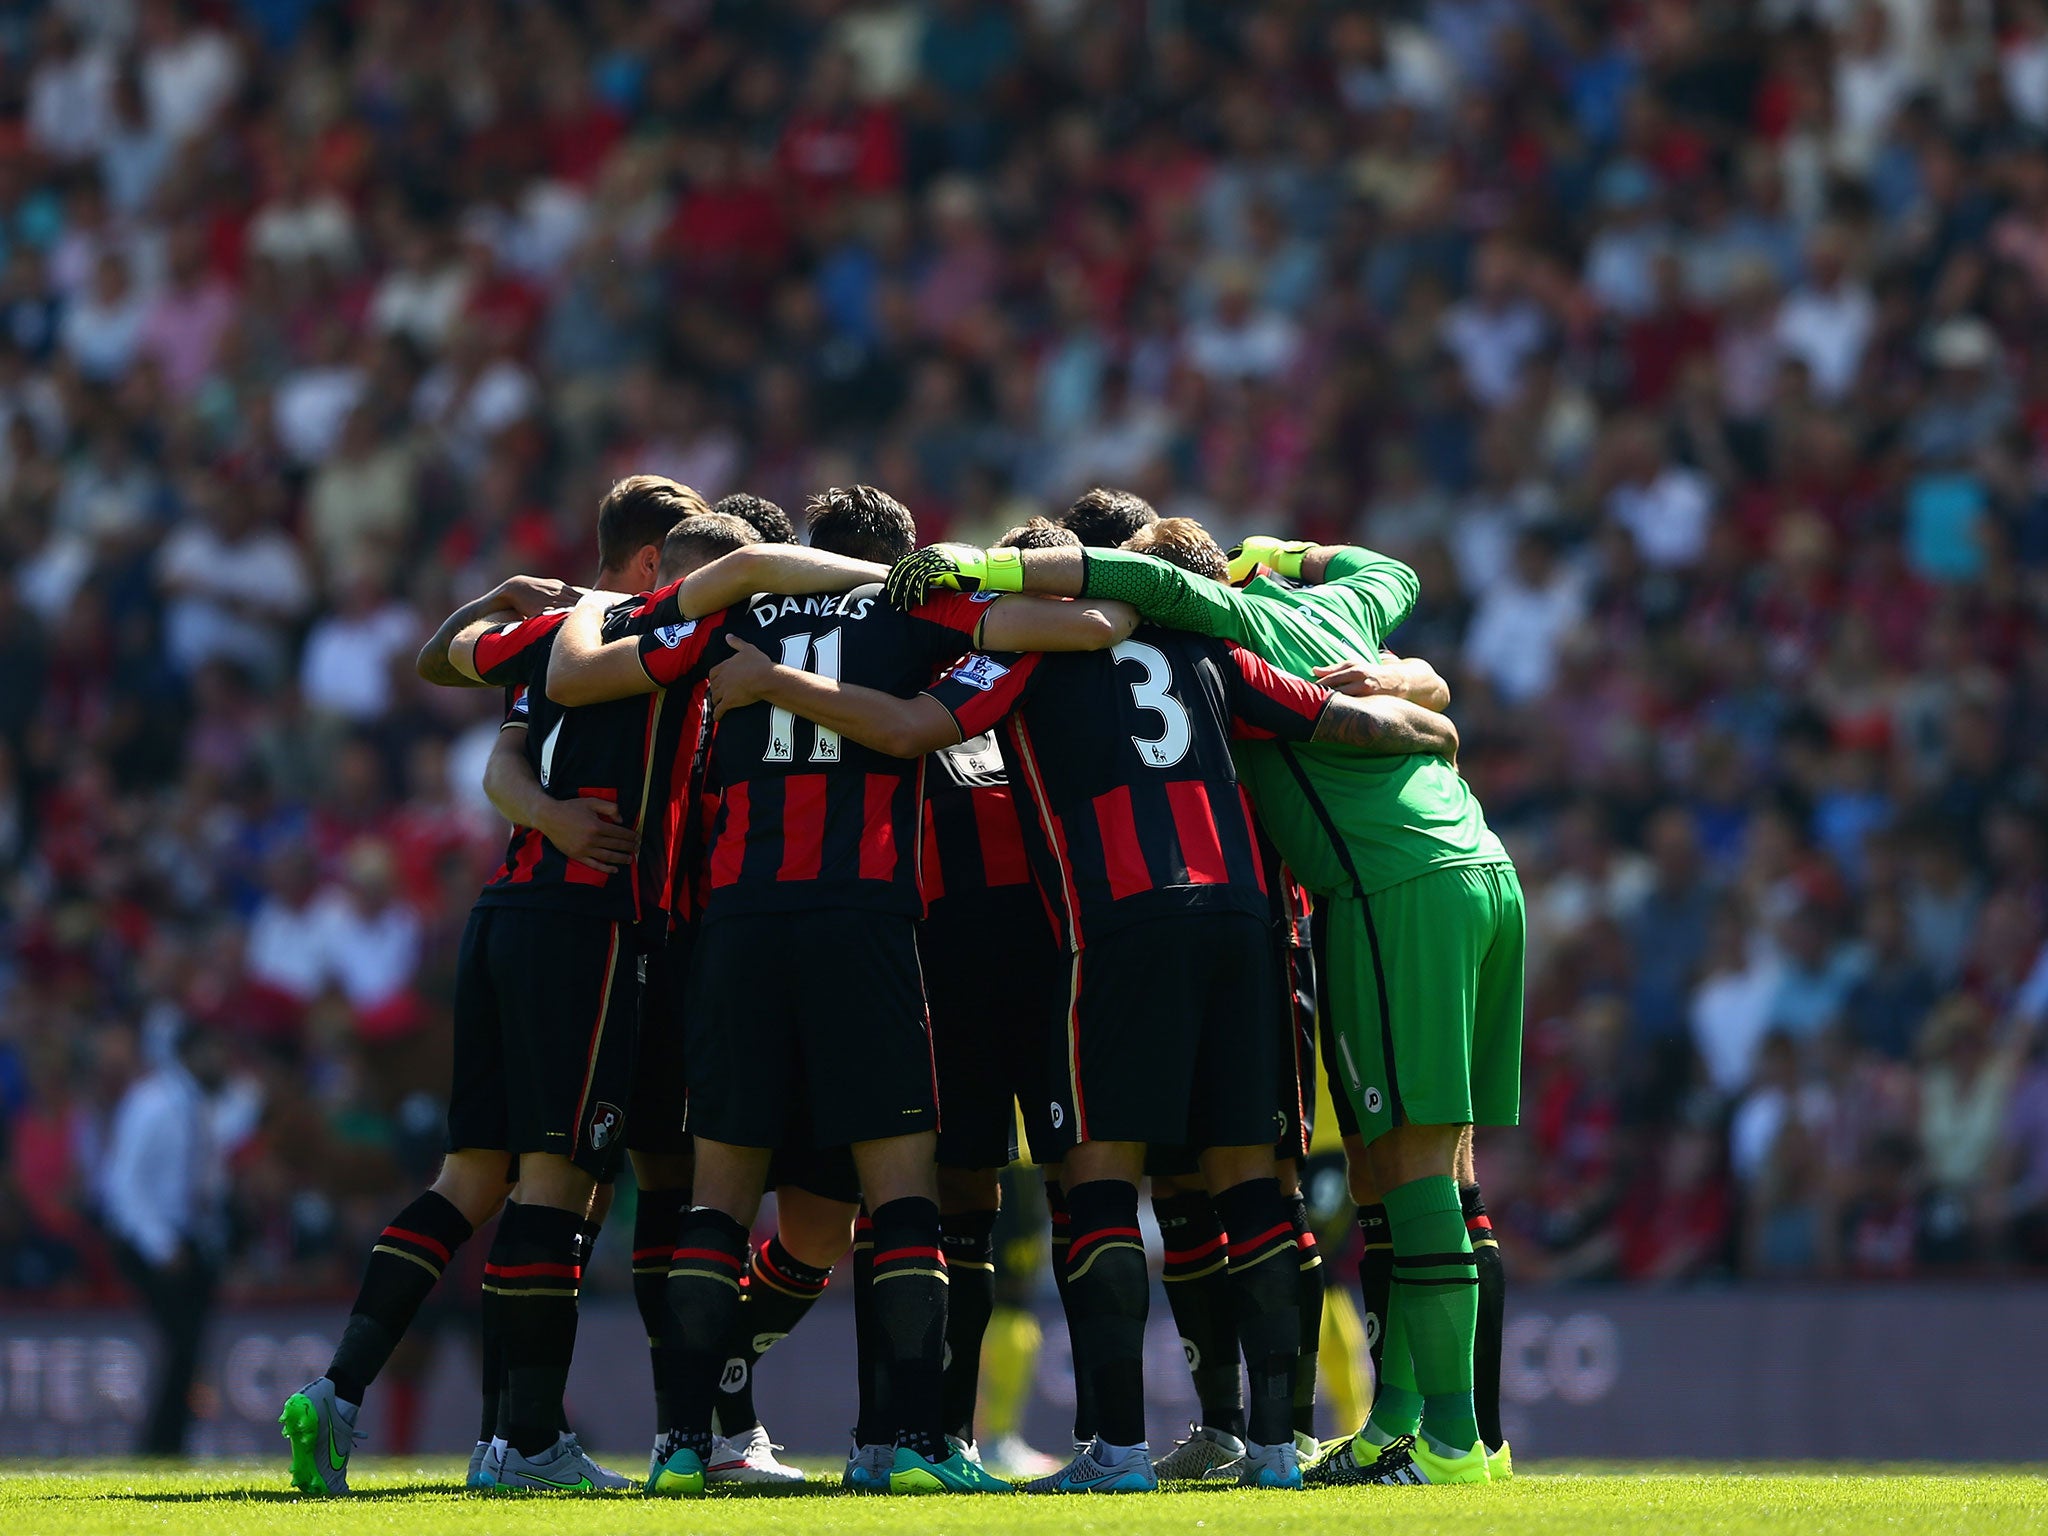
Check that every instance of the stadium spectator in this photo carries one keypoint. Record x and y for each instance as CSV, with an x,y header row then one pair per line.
x,y
164,1194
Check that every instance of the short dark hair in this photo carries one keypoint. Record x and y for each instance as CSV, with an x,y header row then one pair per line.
x,y
639,510
701,539
862,523
1103,518
1183,542
774,525
1039,533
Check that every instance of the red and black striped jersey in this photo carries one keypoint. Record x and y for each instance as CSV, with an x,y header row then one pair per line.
x,y
605,751
1126,757
805,818
973,830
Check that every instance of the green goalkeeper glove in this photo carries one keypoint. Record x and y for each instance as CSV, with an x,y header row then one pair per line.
x,y
954,568
1281,555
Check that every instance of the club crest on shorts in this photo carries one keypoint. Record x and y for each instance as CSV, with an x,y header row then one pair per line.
x,y
605,1122
673,635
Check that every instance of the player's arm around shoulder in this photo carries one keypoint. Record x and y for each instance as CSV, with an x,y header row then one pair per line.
x,y
585,668
1388,587
879,721
1385,726
449,659
790,569
1401,677
1026,623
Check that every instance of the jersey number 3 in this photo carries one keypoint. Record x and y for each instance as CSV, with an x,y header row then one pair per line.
x,y
1154,692
821,658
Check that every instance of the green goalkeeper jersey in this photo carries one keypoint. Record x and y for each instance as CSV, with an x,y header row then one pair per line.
x,y
1344,822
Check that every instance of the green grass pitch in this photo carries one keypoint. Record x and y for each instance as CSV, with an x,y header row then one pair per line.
x,y
409,1498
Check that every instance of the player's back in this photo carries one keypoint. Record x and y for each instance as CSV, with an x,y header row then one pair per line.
x,y
1126,754
806,817
599,751
1400,815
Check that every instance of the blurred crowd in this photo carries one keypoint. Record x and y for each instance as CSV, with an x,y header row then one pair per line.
x,y
1690,349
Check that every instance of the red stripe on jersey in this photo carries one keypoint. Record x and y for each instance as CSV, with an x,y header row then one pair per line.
x,y
1251,819
932,874
1056,835
680,802
731,851
528,856
1122,856
878,828
1003,861
1194,823
803,826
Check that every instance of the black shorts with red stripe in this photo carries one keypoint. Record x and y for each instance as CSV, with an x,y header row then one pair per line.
x,y
808,1029
1169,1038
545,1007
997,980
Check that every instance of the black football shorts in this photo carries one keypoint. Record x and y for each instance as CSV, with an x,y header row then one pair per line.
x,y
996,977
545,1006
1294,1026
657,1114
1169,1038
808,1025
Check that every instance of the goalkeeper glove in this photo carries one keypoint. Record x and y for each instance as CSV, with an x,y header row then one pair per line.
x,y
954,568
1281,555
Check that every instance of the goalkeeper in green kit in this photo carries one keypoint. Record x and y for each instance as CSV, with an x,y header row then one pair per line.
x,y
1425,926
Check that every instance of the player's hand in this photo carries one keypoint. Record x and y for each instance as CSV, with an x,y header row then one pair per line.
x,y
742,678
1360,679
590,832
529,596
954,568
1282,555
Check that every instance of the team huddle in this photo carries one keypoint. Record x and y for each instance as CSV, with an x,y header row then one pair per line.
x,y
828,860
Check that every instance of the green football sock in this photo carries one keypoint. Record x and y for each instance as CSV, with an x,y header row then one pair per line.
x,y
1436,1295
1396,1405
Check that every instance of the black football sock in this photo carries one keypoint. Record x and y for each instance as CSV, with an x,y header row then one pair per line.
x,y
1265,1279
968,1239
1493,1301
1375,1280
910,1323
1107,1276
1062,1227
405,1264
534,1271
780,1291
870,1425
491,1350
586,1245
655,1221
1198,1289
704,1298
1309,1298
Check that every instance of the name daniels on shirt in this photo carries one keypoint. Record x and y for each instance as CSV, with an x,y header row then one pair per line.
x,y
844,605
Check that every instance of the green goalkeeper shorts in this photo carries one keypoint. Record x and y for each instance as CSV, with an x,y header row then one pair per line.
x,y
1425,998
